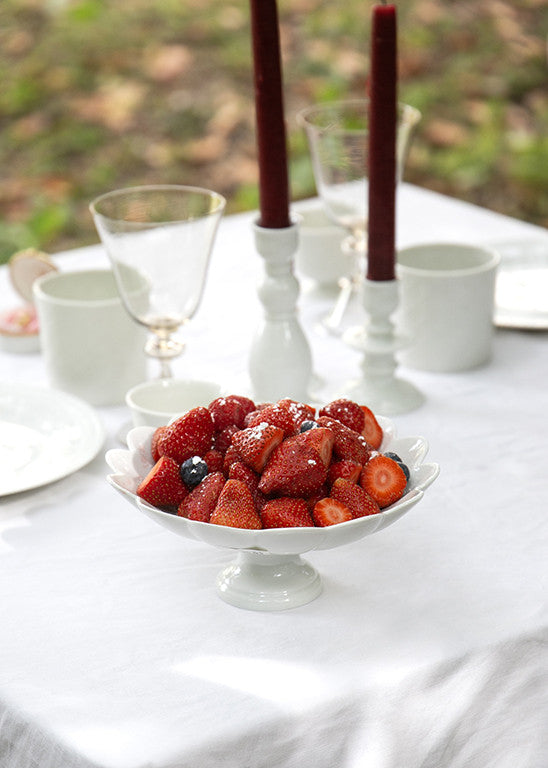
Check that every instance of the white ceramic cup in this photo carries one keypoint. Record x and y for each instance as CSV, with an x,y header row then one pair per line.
x,y
91,346
155,403
446,305
319,255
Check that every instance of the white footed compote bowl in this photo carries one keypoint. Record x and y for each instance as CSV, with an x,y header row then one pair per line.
x,y
268,573
159,240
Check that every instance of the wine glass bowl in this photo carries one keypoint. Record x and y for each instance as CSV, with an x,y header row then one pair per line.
x,y
337,134
159,241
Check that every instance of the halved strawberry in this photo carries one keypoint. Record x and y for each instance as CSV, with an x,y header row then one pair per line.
x,y
346,411
349,470
330,512
235,507
154,443
293,470
371,430
189,435
255,444
163,487
201,501
348,444
286,512
354,497
320,438
384,480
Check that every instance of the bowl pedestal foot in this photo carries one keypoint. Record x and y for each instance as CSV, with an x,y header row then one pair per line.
x,y
260,581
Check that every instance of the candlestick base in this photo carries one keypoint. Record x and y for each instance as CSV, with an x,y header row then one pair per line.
x,y
378,387
280,363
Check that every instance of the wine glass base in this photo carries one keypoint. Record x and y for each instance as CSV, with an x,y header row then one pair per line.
x,y
260,581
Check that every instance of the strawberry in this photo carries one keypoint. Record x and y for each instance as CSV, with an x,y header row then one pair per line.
x,y
371,430
240,471
354,497
293,470
301,411
214,460
330,512
235,507
189,435
154,443
349,470
223,439
247,404
347,412
286,512
251,415
230,457
282,414
163,487
384,480
201,501
255,444
225,412
320,438
348,444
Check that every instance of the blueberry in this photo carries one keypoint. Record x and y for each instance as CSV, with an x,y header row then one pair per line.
x,y
397,459
193,471
306,425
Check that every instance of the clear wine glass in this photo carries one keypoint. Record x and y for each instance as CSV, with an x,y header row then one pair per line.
x,y
159,241
337,134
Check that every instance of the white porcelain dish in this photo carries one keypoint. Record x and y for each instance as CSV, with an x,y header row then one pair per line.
x,y
44,435
521,294
268,573
155,403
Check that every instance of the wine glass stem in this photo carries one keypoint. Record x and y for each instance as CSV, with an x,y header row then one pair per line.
x,y
355,244
166,371
163,347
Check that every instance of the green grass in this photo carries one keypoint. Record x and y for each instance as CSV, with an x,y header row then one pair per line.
x,y
99,95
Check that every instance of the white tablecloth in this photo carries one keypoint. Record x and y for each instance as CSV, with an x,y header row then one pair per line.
x,y
428,647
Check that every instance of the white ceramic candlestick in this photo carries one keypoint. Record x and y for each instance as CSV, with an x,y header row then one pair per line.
x,y
280,363
378,386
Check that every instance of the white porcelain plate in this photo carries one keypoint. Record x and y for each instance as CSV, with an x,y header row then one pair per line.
x,y
521,295
44,435
268,573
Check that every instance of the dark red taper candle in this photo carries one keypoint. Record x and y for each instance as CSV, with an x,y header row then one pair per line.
x,y
381,248
271,134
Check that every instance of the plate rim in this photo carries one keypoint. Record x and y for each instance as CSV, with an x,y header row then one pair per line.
x,y
94,430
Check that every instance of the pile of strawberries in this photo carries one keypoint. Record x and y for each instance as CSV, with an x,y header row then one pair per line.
x,y
274,465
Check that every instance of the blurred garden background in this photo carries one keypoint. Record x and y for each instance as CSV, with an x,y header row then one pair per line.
x,y
96,95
